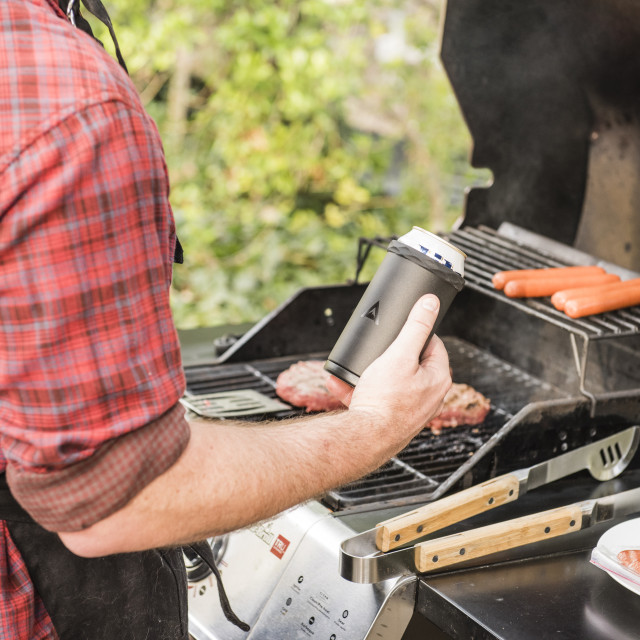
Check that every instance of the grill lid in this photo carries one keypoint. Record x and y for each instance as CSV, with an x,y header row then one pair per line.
x,y
550,94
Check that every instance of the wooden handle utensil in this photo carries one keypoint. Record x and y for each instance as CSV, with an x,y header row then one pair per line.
x,y
396,532
450,550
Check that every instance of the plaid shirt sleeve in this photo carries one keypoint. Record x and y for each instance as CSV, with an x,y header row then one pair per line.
x,y
91,372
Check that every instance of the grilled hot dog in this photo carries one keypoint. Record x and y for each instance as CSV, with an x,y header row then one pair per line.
x,y
625,294
501,278
530,288
560,298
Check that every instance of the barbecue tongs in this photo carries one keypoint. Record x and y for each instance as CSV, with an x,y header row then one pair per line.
x,y
373,556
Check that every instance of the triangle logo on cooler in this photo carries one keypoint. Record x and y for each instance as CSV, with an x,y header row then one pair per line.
x,y
373,313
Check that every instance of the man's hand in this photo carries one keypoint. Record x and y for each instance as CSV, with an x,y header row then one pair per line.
x,y
407,383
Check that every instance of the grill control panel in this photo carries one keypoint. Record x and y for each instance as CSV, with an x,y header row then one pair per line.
x,y
307,598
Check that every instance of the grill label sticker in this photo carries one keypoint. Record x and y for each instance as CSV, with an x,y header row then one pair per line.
x,y
279,546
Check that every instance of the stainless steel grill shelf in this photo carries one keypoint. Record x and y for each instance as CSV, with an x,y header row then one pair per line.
x,y
488,252
592,340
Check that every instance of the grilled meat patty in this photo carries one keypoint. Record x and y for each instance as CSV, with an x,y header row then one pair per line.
x,y
304,384
462,405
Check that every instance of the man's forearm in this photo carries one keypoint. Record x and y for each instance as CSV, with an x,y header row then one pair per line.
x,y
232,475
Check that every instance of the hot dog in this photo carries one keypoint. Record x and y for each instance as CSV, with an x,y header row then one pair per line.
x,y
560,298
602,302
532,288
501,278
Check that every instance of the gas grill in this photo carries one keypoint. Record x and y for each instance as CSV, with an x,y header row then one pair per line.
x,y
548,76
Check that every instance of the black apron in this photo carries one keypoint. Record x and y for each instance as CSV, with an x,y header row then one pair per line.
x,y
129,596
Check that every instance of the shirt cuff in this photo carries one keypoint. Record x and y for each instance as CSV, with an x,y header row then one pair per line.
x,y
74,498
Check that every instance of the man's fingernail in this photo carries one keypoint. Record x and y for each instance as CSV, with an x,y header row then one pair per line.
x,y
431,303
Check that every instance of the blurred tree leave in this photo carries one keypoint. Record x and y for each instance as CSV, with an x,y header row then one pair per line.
x,y
291,129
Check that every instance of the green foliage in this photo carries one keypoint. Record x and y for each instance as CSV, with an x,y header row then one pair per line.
x,y
287,139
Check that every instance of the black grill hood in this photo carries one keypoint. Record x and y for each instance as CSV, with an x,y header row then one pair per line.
x,y
550,91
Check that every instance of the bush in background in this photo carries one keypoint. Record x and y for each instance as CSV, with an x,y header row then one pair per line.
x,y
291,129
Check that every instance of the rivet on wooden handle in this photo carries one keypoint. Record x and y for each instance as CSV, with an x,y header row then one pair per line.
x,y
402,529
443,552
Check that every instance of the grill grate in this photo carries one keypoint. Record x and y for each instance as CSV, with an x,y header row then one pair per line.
x,y
488,252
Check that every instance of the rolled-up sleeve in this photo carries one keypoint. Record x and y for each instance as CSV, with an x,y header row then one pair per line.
x,y
90,373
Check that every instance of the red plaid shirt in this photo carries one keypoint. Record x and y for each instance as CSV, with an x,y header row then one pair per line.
x,y
90,370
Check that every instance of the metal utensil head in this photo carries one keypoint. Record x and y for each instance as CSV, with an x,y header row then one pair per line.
x,y
614,454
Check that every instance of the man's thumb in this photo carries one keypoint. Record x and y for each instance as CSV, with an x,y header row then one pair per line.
x,y
418,327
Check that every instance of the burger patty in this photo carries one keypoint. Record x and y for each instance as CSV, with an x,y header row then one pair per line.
x,y
462,405
304,384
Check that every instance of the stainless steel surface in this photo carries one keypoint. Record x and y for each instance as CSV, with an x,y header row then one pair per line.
x,y
297,591
251,565
610,507
361,561
396,611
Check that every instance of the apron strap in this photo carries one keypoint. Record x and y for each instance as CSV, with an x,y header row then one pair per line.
x,y
96,8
